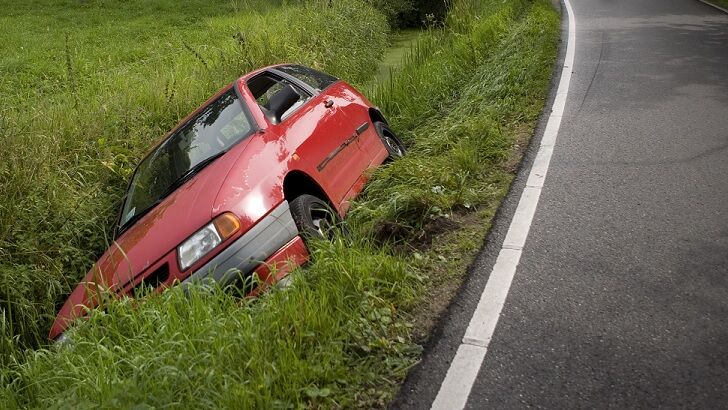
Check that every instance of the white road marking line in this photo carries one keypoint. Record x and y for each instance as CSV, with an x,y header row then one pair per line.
x,y
463,371
486,314
521,223
467,360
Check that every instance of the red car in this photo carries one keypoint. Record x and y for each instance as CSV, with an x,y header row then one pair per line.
x,y
233,188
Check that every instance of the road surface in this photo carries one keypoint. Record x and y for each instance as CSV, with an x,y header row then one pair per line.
x,y
620,298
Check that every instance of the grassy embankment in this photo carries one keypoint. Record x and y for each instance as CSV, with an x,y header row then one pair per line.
x,y
342,334
88,86
721,3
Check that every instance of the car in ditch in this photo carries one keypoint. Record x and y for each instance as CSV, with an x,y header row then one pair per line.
x,y
236,188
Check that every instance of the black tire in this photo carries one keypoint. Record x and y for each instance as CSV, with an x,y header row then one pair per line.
x,y
394,145
314,218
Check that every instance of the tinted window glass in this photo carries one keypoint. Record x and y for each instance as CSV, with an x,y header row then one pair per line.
x,y
315,79
212,132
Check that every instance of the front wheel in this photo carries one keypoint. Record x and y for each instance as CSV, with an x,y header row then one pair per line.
x,y
314,217
391,142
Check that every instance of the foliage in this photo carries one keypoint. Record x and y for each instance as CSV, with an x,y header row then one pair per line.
x,y
71,132
76,122
457,148
211,349
394,10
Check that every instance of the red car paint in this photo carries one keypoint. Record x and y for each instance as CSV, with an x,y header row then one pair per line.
x,y
247,181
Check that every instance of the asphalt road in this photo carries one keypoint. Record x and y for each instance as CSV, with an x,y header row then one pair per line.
x,y
621,295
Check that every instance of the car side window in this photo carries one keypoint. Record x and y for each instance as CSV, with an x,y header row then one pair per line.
x,y
313,78
268,90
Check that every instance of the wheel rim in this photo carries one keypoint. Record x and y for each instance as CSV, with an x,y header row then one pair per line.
x,y
321,219
392,146
317,222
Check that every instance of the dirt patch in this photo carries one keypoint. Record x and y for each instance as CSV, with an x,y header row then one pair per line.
x,y
406,240
520,144
436,227
448,257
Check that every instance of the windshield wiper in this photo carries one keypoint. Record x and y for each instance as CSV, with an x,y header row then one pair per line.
x,y
176,184
137,216
191,172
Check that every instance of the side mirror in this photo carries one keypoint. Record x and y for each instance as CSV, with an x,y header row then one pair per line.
x,y
281,102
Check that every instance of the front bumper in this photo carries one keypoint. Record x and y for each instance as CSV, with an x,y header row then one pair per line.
x,y
250,250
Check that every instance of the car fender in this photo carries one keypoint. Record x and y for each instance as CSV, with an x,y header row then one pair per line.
x,y
254,184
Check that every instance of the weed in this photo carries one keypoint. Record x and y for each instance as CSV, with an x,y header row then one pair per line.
x,y
70,140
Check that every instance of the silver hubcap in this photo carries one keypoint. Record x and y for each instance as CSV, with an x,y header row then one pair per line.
x,y
392,146
318,223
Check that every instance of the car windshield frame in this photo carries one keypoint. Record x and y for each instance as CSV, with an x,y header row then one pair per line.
x,y
297,72
122,224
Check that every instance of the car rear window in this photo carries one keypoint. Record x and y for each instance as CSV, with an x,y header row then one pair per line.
x,y
313,78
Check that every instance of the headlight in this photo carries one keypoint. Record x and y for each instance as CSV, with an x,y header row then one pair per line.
x,y
207,239
63,340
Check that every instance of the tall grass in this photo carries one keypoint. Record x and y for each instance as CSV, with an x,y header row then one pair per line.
x,y
210,349
87,91
459,111
340,335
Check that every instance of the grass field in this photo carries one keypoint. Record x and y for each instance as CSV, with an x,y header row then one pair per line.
x,y
89,85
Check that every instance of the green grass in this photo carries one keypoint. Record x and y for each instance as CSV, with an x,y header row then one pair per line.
x,y
212,350
88,86
342,335
402,43
722,3
460,133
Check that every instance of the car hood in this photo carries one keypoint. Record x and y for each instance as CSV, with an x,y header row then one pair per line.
x,y
177,217
152,237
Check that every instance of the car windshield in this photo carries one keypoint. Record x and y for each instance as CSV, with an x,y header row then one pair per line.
x,y
193,146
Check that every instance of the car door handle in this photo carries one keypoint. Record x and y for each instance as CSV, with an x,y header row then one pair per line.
x,y
360,129
329,103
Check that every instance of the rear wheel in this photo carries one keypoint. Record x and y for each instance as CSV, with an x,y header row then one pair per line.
x,y
314,217
391,142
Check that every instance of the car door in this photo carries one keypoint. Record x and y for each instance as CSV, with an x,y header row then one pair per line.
x,y
342,162
354,118
354,107
368,139
316,132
